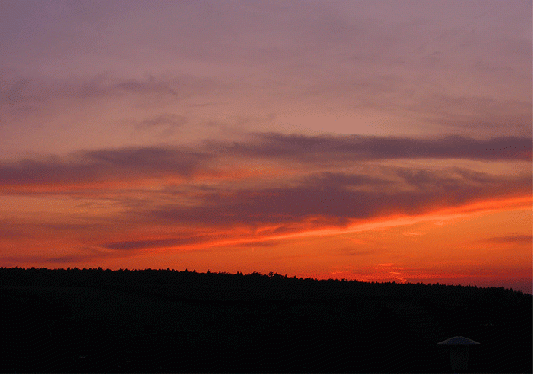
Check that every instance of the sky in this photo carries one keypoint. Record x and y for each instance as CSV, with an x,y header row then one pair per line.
x,y
374,141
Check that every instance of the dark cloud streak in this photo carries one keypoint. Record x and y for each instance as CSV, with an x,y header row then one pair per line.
x,y
355,147
129,164
512,239
103,166
156,243
335,202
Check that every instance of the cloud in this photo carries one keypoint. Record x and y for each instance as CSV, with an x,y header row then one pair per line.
x,y
355,147
334,180
73,258
451,179
107,166
527,239
156,243
23,94
11,230
335,202
149,86
492,115
230,213
164,125
163,120
103,166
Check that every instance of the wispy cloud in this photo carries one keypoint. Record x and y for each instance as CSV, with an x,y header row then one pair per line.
x,y
205,214
103,166
480,112
133,164
155,243
335,202
525,239
36,93
354,147
163,120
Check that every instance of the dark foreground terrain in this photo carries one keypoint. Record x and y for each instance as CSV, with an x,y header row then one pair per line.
x,y
96,320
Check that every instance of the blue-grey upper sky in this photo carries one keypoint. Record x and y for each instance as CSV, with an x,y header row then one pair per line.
x,y
89,74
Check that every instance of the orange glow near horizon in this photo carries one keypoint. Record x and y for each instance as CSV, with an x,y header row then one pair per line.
x,y
94,228
448,246
440,215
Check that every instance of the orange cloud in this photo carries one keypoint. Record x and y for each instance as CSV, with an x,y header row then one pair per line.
x,y
200,238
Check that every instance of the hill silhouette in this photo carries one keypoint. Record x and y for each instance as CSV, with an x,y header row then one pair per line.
x,y
95,320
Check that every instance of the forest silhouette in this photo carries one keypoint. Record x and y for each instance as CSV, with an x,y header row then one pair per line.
x,y
96,320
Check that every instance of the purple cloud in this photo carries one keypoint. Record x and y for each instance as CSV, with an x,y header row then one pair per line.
x,y
142,244
132,163
331,199
354,147
103,165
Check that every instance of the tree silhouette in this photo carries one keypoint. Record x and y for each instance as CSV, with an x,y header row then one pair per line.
x,y
184,321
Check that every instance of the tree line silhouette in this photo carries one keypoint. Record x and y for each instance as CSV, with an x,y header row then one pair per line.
x,y
96,320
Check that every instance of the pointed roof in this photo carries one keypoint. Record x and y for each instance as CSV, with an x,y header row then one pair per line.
x,y
458,340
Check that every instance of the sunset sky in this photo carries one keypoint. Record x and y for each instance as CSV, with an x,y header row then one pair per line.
x,y
376,141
